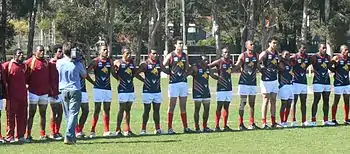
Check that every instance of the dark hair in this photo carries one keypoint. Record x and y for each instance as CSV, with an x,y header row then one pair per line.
x,y
272,39
124,48
321,43
177,38
14,52
150,51
55,48
301,45
67,46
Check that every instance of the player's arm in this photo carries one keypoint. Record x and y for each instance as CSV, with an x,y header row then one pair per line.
x,y
213,74
116,65
239,62
141,69
332,64
4,73
214,63
82,71
281,67
262,57
91,67
188,70
166,60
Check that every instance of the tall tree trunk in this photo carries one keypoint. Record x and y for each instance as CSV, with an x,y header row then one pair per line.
x,y
244,35
269,24
3,25
304,28
110,5
32,17
329,39
153,24
216,28
252,21
166,29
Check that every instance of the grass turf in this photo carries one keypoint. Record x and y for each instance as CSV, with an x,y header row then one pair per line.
x,y
305,140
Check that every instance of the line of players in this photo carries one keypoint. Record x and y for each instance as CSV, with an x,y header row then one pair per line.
x,y
284,75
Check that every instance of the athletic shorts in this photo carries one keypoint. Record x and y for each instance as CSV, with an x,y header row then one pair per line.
x,y
299,88
53,100
269,87
322,88
84,97
36,99
246,90
102,95
179,89
148,98
224,96
1,105
126,97
201,99
339,90
286,92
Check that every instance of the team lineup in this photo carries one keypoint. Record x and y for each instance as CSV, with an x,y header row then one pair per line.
x,y
34,83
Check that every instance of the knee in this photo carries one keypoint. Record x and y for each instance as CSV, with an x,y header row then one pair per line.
x,y
242,105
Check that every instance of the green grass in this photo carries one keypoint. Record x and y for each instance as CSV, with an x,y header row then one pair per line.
x,y
305,140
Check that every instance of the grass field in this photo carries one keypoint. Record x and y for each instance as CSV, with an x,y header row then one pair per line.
x,y
290,140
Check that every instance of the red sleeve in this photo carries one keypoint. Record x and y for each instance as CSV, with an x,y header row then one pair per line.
x,y
53,79
313,58
4,73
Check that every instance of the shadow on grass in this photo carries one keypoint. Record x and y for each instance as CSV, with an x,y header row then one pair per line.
x,y
143,141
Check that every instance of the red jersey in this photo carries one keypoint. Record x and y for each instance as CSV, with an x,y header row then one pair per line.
x,y
38,76
15,80
53,78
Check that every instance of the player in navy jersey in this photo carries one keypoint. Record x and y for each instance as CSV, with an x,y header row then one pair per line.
x,y
285,93
177,61
301,62
102,67
341,65
201,92
269,84
224,67
321,62
151,92
248,64
125,72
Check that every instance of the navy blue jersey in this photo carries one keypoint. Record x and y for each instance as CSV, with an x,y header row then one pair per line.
x,y
126,76
178,68
341,75
285,76
320,65
200,87
269,72
83,85
102,73
152,77
224,71
249,69
300,62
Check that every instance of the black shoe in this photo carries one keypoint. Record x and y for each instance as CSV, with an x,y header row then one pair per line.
x,y
217,129
242,127
129,134
227,129
207,130
188,131
29,139
335,122
254,127
347,122
276,125
265,126
198,130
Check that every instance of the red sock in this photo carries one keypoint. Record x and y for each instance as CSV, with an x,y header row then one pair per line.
x,y
281,116
143,127
294,119
334,112
52,126
225,114
170,120
251,119
42,133
325,118
273,119
286,114
106,123
263,121
127,127
204,125
313,119
57,128
303,118
346,110
240,119
157,126
217,118
196,126
93,123
293,116
184,119
77,129
29,133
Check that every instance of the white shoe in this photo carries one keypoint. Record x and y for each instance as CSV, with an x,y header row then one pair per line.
x,y
313,124
1,140
293,124
284,124
106,134
305,124
171,131
143,132
158,132
92,135
328,123
80,135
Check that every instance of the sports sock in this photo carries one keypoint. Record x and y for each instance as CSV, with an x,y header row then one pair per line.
x,y
52,126
143,127
106,123
170,120
240,119
286,114
217,118
313,119
346,110
251,119
334,112
93,123
225,114
273,120
184,119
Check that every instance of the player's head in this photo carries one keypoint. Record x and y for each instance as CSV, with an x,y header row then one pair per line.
x,y
204,60
249,45
285,54
153,54
126,53
18,55
302,49
322,48
103,51
66,47
57,51
273,41
39,51
225,52
178,43
344,50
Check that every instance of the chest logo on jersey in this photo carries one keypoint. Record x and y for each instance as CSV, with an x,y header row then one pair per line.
x,y
247,60
180,64
274,62
205,75
341,62
324,65
176,59
123,65
229,71
128,71
104,70
149,67
154,71
154,81
99,64
269,57
346,67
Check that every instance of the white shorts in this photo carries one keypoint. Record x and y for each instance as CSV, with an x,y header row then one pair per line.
x,y
35,99
224,96
246,90
299,88
321,88
126,97
148,98
53,100
1,106
84,97
286,92
102,95
179,89
269,87
339,90
201,99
